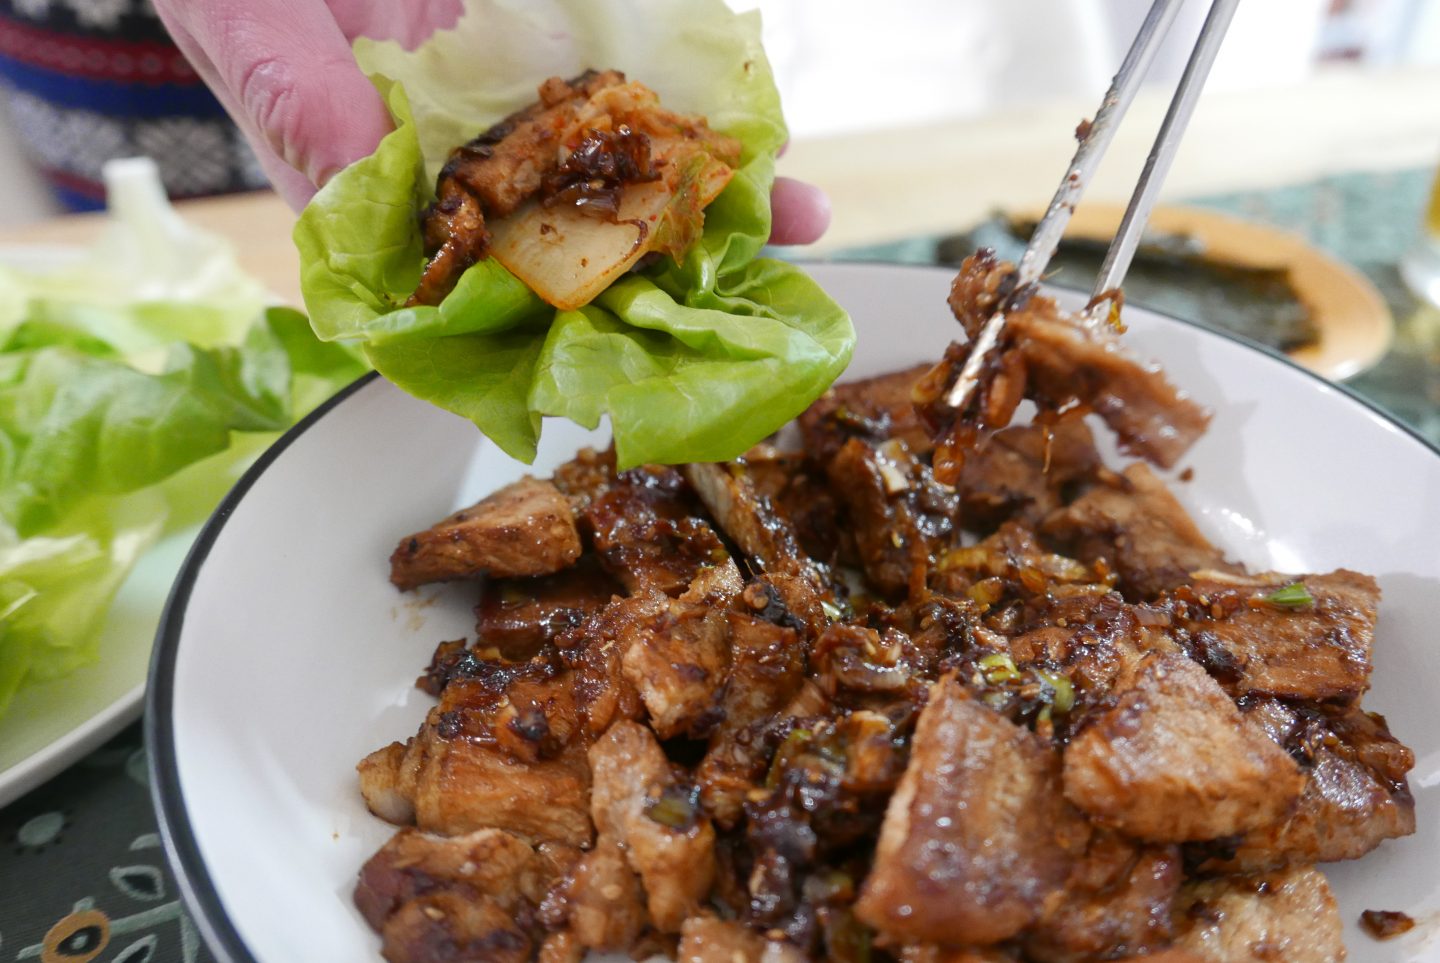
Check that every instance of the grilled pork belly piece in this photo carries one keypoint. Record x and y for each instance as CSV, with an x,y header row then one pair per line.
x,y
462,785
901,518
518,616
525,528
767,669
648,533
1025,472
637,801
1173,761
486,863
871,409
1286,915
599,904
1134,523
448,926
978,834
1056,361
1356,793
767,539
706,939
1117,900
1312,645
678,659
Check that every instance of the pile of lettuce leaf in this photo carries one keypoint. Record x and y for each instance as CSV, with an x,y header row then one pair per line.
x,y
691,361
126,372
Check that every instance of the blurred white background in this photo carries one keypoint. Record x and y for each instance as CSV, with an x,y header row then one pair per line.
x,y
847,65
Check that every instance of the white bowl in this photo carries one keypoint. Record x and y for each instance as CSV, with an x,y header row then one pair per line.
x,y
285,655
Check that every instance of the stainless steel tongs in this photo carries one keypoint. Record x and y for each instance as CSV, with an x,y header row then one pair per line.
x,y
1093,143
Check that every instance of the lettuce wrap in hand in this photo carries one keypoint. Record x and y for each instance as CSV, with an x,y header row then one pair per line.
x,y
692,360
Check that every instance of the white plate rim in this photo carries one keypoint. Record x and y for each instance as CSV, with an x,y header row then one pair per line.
x,y
41,765
182,849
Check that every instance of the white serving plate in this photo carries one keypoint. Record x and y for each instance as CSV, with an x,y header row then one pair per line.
x,y
285,655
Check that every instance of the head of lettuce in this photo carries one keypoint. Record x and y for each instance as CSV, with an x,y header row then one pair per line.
x,y
693,360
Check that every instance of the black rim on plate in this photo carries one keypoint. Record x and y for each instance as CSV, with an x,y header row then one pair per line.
x,y
181,846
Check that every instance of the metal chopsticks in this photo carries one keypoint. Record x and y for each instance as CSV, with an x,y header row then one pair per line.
x,y
1047,234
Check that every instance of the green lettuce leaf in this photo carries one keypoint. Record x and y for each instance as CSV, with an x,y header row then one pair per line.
x,y
690,361
127,375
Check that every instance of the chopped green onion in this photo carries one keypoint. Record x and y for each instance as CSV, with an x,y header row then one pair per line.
x,y
676,808
829,886
832,611
847,940
999,667
786,751
1292,596
1063,699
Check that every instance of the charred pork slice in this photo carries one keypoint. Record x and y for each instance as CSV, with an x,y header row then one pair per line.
x,y
902,519
871,409
1134,523
1305,637
1025,472
598,905
976,837
767,668
1356,791
678,659
462,785
518,616
1118,899
765,537
648,533
1173,760
501,750
637,801
1287,915
525,528
1056,361
706,939
486,863
447,925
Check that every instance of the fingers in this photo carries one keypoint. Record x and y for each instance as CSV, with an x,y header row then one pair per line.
x,y
284,70
800,212
407,22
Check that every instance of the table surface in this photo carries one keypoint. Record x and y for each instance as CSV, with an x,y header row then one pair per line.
x,y
85,844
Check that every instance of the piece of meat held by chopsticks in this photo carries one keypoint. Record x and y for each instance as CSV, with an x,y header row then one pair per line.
x,y
1022,346
1058,361
570,192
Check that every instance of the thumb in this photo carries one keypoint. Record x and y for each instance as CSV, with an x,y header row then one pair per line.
x,y
285,72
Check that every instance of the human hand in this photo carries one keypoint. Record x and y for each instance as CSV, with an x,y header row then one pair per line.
x,y
285,72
